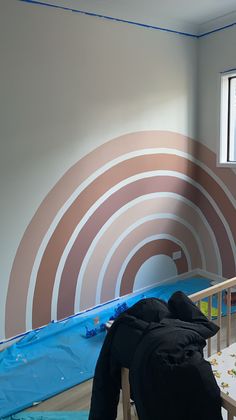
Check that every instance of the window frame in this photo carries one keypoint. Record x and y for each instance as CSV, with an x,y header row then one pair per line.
x,y
225,127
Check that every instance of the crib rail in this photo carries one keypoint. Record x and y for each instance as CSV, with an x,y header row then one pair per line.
x,y
229,405
227,402
219,290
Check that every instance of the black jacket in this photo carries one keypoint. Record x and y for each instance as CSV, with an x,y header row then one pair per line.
x,y
162,345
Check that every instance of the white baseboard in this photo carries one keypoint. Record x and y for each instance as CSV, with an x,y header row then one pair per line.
x,y
215,278
184,276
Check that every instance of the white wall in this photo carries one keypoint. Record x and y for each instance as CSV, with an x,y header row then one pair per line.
x,y
69,83
217,54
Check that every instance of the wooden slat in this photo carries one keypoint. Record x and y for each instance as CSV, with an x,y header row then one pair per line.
x,y
213,289
209,317
125,393
228,403
228,317
219,307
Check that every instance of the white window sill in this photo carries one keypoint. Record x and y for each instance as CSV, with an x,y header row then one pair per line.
x,y
226,164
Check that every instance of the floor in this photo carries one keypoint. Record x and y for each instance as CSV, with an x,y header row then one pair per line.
x,y
74,399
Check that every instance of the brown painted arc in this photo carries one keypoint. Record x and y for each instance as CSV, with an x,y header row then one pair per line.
x,y
57,243
120,198
166,226
146,207
155,247
39,225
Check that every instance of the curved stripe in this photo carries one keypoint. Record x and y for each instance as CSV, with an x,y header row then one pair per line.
x,y
101,170
51,205
49,264
139,188
87,182
155,247
118,199
126,216
114,162
144,242
167,222
145,228
110,164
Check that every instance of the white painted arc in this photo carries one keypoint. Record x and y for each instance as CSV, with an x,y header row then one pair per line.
x,y
140,245
116,188
156,269
100,237
91,178
93,209
181,176
83,185
86,183
122,238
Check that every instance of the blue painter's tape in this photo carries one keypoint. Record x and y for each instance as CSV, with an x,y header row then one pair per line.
x,y
130,22
16,337
228,71
217,30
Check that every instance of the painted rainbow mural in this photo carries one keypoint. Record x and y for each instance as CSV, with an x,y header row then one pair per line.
x,y
135,197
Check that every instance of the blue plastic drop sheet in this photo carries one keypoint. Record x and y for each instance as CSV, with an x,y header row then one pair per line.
x,y
63,354
56,415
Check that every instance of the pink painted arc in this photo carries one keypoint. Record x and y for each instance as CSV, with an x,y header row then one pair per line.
x,y
145,208
156,247
119,199
164,227
54,201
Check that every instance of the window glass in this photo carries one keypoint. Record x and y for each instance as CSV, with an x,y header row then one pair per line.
x,y
227,144
232,120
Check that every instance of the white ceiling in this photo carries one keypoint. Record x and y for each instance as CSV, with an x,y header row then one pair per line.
x,y
193,16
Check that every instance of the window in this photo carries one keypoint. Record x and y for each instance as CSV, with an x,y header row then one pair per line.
x,y
228,119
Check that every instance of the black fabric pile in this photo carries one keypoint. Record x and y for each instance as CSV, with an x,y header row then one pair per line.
x,y
162,345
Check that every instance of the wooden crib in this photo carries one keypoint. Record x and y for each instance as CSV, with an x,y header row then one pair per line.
x,y
219,348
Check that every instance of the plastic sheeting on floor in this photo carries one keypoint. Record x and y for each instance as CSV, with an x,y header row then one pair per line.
x,y
59,356
55,415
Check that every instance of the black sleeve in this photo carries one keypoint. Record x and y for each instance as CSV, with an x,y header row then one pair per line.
x,y
106,383
184,309
117,350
